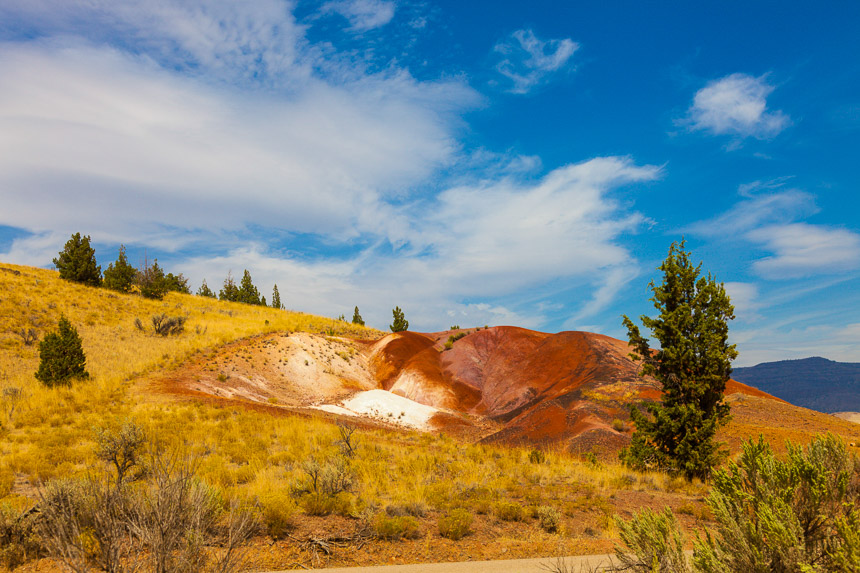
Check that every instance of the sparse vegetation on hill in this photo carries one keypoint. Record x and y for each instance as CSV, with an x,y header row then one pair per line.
x,y
392,493
258,456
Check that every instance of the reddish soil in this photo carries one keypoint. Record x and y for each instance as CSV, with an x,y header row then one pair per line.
x,y
501,384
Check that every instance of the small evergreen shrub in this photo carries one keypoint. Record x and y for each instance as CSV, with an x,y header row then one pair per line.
x,y
400,323
61,356
77,262
204,290
456,524
151,280
120,276
537,457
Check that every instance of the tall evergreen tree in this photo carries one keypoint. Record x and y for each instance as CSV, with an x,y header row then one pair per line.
x,y
400,323
77,262
61,356
120,276
248,293
276,298
356,318
151,280
229,292
204,290
692,366
177,283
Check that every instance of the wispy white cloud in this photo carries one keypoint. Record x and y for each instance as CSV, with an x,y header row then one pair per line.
x,y
527,61
800,250
363,15
745,299
256,41
736,105
163,151
772,221
469,247
754,211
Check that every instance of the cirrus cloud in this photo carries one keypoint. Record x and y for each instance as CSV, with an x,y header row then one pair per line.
x,y
527,61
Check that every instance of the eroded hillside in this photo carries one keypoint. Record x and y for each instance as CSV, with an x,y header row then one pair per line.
x,y
497,385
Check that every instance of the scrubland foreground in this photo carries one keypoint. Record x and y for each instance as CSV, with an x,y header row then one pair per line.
x,y
115,455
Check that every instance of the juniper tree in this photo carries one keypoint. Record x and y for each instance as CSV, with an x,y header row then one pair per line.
x,y
356,318
229,292
400,323
120,276
151,280
276,298
248,293
61,356
692,365
77,262
176,283
204,290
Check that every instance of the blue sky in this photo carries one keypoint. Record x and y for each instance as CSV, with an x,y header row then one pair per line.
x,y
472,162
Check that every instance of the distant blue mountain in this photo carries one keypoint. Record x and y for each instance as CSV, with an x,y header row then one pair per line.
x,y
815,383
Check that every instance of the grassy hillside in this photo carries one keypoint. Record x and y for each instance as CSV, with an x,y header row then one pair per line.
x,y
260,455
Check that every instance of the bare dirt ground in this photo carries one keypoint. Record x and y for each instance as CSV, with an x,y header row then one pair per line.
x,y
850,416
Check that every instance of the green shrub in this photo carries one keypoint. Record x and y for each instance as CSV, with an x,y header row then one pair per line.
x,y
797,514
509,511
77,262
61,356
151,280
393,527
619,425
120,276
456,524
400,323
549,518
652,542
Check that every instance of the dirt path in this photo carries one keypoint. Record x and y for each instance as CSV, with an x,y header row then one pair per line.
x,y
580,564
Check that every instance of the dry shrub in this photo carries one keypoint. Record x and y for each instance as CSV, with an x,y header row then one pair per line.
x,y
164,325
509,511
456,524
277,509
19,539
395,527
549,518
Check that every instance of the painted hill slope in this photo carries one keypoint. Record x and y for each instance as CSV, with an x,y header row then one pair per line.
x,y
816,383
571,387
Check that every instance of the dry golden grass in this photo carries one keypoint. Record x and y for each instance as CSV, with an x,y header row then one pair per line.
x,y
250,454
